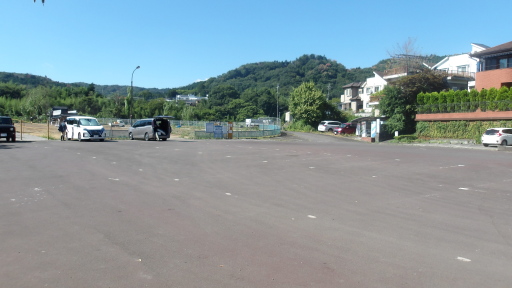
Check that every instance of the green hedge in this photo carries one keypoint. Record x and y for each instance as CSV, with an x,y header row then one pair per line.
x,y
464,101
457,129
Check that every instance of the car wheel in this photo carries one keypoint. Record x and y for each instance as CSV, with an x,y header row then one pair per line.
x,y
130,135
102,140
13,138
79,137
486,145
335,133
330,130
164,139
146,137
504,143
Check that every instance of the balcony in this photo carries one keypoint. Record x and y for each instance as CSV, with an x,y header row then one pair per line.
x,y
464,74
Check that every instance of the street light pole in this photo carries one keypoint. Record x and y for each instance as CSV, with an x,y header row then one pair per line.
x,y
277,110
131,96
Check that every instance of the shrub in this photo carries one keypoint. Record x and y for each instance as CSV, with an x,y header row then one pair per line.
x,y
406,138
300,126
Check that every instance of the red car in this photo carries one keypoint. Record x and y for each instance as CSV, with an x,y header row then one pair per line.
x,y
345,128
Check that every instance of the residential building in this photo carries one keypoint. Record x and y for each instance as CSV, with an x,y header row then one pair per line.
x,y
190,99
460,69
494,67
350,99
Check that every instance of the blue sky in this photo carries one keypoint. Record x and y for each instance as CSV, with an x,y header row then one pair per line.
x,y
179,42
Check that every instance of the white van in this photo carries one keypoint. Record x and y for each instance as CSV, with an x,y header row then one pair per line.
x,y
84,128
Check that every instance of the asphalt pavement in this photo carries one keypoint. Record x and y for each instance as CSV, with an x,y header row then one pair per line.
x,y
304,210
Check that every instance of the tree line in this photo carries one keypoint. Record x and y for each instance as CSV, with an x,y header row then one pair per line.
x,y
250,91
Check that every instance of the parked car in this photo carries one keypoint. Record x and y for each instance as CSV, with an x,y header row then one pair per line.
x,y
345,128
118,123
7,129
328,125
497,136
157,128
84,128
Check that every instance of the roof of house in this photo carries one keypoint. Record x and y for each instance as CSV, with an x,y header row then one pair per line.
x,y
482,46
353,84
503,48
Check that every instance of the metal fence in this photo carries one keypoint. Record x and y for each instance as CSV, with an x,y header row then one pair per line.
x,y
198,128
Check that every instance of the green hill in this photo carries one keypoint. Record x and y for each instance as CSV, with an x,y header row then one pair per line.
x,y
327,74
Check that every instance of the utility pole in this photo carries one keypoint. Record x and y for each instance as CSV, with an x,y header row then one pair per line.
x,y
277,110
328,90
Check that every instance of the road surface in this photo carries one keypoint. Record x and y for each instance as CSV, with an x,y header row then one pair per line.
x,y
298,211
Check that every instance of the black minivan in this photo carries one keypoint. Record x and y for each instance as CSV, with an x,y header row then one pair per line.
x,y
157,128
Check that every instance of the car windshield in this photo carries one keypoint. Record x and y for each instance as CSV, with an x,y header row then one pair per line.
x,y
491,132
5,121
89,122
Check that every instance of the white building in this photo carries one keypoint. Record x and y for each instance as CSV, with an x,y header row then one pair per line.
x,y
460,68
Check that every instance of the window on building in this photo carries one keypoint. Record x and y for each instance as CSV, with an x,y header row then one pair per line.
x,y
491,64
503,63
361,91
348,92
463,68
377,88
506,63
368,90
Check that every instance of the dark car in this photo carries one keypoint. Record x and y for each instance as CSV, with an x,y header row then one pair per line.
x,y
7,129
157,128
345,128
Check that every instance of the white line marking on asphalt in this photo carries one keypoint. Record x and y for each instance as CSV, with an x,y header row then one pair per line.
x,y
114,179
176,179
265,161
312,217
311,167
461,165
463,188
229,194
463,259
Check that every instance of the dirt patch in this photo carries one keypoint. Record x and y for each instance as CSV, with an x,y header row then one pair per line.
x,y
42,129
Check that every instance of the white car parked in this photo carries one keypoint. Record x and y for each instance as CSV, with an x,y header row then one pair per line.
x,y
328,125
84,128
497,136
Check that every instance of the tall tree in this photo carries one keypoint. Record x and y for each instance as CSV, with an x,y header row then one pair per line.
x,y
306,103
400,101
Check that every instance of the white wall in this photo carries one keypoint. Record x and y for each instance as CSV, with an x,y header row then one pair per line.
x,y
369,88
452,63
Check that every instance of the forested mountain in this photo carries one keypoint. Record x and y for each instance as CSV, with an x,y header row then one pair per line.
x,y
249,91
328,75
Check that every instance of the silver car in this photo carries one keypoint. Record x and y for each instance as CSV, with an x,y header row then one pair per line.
x,y
497,136
157,128
328,125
